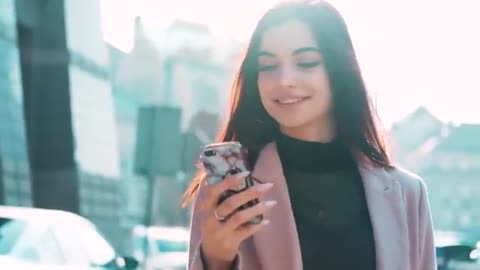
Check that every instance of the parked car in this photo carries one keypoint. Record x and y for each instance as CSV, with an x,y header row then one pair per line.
x,y
32,238
454,254
161,248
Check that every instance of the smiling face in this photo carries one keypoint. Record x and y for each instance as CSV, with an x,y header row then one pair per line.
x,y
292,91
293,83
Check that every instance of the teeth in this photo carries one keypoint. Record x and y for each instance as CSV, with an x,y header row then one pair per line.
x,y
289,100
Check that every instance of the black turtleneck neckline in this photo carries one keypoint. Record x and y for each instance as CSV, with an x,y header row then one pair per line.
x,y
308,156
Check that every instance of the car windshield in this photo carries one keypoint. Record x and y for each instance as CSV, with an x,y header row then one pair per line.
x,y
171,246
10,231
80,242
97,249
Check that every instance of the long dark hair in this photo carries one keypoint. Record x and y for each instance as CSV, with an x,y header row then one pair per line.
x,y
250,124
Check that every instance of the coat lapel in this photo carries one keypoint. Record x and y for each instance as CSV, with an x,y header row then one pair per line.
x,y
277,245
388,217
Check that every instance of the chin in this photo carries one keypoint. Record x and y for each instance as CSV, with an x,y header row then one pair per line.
x,y
295,122
291,123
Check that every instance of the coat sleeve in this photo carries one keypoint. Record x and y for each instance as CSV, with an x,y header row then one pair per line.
x,y
427,256
195,260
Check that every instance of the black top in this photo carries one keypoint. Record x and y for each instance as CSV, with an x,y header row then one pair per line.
x,y
329,205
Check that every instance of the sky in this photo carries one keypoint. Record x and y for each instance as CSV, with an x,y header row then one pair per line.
x,y
412,52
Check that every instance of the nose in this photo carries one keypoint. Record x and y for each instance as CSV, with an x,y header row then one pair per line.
x,y
288,77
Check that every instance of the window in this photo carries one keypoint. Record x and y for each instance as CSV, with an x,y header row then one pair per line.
x,y
7,15
10,232
464,219
93,124
32,242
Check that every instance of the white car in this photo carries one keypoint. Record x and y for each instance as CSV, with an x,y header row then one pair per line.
x,y
161,248
33,239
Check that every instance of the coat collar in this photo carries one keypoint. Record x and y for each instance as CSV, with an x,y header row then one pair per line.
x,y
278,246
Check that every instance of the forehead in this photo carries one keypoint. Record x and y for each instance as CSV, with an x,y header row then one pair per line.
x,y
287,36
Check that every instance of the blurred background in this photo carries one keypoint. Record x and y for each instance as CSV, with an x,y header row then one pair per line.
x,y
105,104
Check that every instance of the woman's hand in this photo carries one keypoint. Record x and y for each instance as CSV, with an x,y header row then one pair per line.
x,y
221,237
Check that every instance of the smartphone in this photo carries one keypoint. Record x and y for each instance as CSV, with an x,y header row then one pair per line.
x,y
220,160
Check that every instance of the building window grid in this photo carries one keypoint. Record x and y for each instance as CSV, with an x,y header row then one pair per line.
x,y
11,199
24,199
9,183
16,175
24,185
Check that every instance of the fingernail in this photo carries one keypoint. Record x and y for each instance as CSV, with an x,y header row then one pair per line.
x,y
242,174
265,187
269,203
265,222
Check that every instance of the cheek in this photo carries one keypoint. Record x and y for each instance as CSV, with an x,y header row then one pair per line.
x,y
320,85
265,86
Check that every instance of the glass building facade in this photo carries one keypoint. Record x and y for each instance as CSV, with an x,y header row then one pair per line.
x,y
93,119
134,187
15,187
86,119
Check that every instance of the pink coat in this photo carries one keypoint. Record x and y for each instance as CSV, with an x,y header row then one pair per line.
x,y
398,206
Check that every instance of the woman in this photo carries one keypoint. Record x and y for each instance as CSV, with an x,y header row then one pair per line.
x,y
331,197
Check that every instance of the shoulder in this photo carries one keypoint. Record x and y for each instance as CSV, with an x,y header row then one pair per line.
x,y
406,178
412,185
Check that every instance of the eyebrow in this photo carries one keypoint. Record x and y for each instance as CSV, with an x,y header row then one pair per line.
x,y
295,52
306,49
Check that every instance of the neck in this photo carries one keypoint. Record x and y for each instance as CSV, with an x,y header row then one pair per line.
x,y
323,132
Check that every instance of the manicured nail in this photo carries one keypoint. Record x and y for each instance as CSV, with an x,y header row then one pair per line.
x,y
242,174
265,187
269,203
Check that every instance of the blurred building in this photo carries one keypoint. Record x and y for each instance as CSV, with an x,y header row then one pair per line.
x,y
70,103
44,62
447,156
127,104
452,171
93,119
69,111
183,66
15,187
412,133
94,125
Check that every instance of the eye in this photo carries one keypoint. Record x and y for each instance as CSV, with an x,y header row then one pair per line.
x,y
210,153
267,67
309,64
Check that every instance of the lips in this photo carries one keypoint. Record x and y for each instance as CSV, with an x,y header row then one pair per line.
x,y
290,100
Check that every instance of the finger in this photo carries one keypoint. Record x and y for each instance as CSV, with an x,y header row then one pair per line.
x,y
211,224
202,193
236,227
241,217
235,201
214,191
244,232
